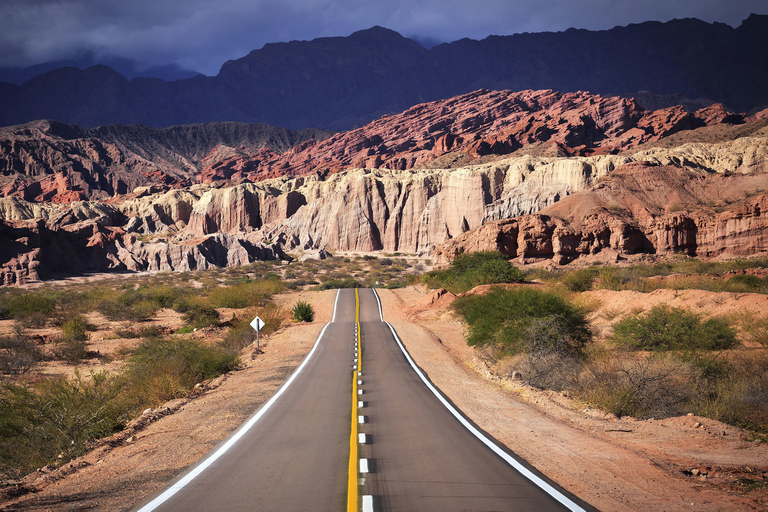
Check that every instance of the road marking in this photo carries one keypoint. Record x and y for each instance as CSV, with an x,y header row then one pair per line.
x,y
360,404
367,503
361,419
173,489
335,303
364,466
353,481
535,479
362,438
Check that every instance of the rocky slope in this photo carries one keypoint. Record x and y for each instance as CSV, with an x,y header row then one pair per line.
x,y
50,161
662,206
339,83
698,199
537,200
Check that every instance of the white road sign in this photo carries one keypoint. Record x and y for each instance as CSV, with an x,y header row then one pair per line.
x,y
257,323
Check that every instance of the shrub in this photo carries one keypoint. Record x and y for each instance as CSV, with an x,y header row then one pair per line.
x,y
55,421
745,283
244,295
611,278
73,347
332,284
579,280
668,328
130,306
523,320
643,387
473,269
303,312
198,315
740,396
18,354
162,370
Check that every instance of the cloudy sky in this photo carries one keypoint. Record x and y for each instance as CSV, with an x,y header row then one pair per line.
x,y
203,34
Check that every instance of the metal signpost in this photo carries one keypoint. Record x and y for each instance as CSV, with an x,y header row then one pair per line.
x,y
257,323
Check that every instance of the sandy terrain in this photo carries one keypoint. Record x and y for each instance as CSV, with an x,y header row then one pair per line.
x,y
614,464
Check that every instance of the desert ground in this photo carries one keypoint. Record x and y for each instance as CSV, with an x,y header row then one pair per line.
x,y
678,463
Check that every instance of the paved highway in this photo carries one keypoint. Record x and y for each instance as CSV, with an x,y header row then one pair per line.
x,y
297,453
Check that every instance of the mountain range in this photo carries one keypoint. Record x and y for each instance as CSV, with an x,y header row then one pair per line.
x,y
339,83
538,175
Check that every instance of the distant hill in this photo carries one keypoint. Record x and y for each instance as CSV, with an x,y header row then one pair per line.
x,y
343,82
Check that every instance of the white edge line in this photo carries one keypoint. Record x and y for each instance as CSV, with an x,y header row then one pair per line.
x,y
564,500
335,303
236,437
381,314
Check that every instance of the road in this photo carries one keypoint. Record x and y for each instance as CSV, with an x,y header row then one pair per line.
x,y
294,453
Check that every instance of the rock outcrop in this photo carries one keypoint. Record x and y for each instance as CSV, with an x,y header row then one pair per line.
x,y
50,162
478,124
642,209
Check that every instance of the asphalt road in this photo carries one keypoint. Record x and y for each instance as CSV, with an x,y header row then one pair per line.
x,y
296,454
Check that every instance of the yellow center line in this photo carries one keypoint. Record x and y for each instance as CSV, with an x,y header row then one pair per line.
x,y
352,482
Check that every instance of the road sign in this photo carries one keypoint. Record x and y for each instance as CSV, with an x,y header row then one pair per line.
x,y
257,323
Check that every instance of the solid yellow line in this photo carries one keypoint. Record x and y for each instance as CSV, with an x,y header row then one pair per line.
x,y
352,482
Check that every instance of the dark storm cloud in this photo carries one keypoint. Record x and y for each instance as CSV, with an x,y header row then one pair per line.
x,y
203,34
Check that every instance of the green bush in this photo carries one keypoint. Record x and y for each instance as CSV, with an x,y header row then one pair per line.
x,y
332,284
303,312
18,355
468,270
198,315
244,295
644,387
162,370
668,328
55,421
523,320
129,306
579,280
745,283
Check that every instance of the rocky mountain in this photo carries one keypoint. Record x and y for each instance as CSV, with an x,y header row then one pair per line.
x,y
340,83
50,161
539,175
698,198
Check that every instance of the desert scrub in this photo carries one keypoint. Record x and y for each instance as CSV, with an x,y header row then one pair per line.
x,y
246,294
473,269
579,280
332,284
241,334
667,328
18,354
129,306
161,370
639,385
197,313
521,320
54,421
303,312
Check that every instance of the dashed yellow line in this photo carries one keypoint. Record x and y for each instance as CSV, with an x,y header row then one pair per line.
x,y
352,493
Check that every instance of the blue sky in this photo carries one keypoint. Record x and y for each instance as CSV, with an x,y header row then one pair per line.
x,y
203,34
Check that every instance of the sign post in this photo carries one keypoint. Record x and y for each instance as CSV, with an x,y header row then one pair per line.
x,y
257,323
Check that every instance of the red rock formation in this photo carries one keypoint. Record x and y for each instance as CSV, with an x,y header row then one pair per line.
x,y
643,209
479,123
